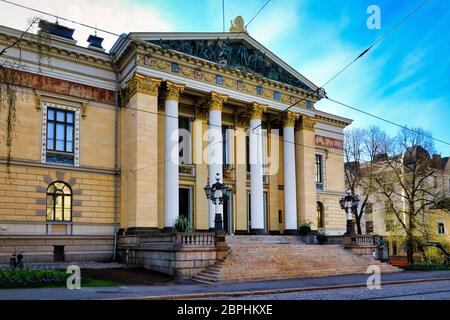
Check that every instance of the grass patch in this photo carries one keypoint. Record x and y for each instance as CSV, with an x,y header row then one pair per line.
x,y
45,279
426,266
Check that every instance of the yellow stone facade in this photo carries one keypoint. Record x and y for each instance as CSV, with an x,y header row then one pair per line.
x,y
117,182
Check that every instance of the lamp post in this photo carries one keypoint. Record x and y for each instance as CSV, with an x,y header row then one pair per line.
x,y
349,203
216,193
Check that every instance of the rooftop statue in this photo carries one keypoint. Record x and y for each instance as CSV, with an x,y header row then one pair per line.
x,y
238,25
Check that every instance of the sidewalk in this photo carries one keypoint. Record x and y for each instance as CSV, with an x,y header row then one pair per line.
x,y
191,289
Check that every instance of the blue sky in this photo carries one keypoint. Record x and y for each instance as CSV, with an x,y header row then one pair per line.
x,y
404,79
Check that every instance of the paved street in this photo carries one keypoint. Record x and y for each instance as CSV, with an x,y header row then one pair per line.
x,y
186,288
416,291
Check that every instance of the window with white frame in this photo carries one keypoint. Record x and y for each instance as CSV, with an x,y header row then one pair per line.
x,y
320,172
60,134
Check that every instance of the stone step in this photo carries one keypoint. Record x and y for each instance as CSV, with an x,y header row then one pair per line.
x,y
249,261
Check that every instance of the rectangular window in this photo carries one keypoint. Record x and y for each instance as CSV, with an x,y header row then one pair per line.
x,y
185,140
60,136
319,172
441,228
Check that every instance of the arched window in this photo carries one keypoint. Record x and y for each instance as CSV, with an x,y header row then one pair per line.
x,y
59,202
320,216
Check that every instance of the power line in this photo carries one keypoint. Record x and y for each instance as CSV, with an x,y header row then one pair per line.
x,y
386,120
215,143
365,51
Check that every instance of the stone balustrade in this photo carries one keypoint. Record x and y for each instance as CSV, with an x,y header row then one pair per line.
x,y
198,239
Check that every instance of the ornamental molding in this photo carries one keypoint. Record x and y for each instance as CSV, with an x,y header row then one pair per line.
x,y
216,101
173,91
48,51
256,111
205,71
290,118
306,123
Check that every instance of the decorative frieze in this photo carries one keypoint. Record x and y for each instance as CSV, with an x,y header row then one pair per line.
x,y
173,91
329,142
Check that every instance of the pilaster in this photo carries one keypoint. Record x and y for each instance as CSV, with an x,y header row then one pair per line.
x,y
139,133
305,170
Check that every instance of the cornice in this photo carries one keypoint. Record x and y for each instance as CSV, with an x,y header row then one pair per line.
x,y
48,49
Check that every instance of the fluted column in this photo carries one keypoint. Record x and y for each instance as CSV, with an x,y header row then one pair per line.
x,y
290,189
171,154
256,169
215,148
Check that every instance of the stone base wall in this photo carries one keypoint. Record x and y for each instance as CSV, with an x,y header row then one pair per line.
x,y
161,253
38,249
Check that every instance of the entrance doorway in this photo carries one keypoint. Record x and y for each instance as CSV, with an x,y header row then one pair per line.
x,y
227,214
185,203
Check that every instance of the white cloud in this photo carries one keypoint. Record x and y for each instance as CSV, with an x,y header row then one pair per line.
x,y
410,65
116,16
276,19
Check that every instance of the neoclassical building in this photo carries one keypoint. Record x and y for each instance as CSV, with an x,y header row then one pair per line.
x,y
124,142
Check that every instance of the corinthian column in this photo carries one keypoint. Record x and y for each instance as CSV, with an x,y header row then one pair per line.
x,y
256,169
290,190
215,148
171,154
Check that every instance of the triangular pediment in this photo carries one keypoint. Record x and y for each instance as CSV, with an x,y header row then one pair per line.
x,y
237,51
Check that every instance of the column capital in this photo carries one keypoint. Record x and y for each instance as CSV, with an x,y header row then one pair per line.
x,y
216,101
256,110
142,84
307,123
173,91
200,112
290,118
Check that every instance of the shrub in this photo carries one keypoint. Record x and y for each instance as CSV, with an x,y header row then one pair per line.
x,y
304,228
322,238
182,224
426,266
31,278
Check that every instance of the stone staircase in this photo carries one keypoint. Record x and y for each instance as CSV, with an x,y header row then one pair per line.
x,y
252,258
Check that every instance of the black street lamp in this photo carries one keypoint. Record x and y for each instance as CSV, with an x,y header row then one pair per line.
x,y
216,193
349,203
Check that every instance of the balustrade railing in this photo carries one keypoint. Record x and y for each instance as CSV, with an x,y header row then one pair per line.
x,y
195,239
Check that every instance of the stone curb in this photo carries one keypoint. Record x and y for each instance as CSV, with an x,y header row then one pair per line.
x,y
273,291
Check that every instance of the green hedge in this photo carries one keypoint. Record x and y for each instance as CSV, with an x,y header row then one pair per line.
x,y
424,266
32,278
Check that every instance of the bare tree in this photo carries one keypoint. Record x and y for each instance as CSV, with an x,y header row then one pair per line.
x,y
11,81
362,150
406,180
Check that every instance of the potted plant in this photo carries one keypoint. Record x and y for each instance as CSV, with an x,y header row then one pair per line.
x,y
321,237
304,228
182,224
